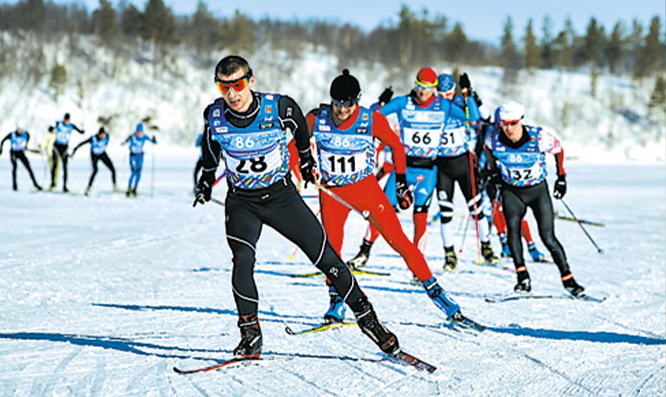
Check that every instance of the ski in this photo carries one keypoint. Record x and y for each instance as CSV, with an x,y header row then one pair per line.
x,y
406,358
517,296
588,298
572,219
460,320
318,328
228,364
354,271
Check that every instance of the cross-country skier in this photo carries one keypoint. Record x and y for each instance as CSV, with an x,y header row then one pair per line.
x,y
516,154
136,142
98,144
344,134
63,133
421,116
492,208
19,144
453,165
250,131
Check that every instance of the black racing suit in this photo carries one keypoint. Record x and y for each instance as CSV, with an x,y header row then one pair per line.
x,y
279,206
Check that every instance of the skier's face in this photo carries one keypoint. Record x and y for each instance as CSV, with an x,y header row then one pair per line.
x,y
425,93
513,129
342,112
237,85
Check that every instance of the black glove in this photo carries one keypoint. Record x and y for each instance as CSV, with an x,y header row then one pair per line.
x,y
477,98
386,96
493,185
204,189
560,188
464,82
308,170
405,196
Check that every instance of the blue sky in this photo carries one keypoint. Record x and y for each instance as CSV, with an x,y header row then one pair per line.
x,y
483,20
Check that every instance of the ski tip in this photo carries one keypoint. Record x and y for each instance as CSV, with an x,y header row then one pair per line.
x,y
289,330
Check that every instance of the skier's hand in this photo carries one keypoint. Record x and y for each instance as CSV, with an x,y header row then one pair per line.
x,y
308,170
477,99
204,189
560,188
386,96
405,196
464,82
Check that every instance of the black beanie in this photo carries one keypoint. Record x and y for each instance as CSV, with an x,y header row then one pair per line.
x,y
345,87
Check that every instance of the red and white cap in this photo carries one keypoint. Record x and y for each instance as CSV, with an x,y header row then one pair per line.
x,y
511,111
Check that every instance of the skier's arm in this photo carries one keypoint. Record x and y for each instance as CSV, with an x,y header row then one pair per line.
x,y
381,129
89,140
210,148
549,143
78,129
293,121
9,136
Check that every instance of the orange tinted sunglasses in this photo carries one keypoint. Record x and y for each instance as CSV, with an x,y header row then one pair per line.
x,y
238,85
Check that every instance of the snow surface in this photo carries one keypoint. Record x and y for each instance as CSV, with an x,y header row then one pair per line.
x,y
103,295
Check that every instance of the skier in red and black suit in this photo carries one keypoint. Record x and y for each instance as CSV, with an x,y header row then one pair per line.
x,y
250,130
344,134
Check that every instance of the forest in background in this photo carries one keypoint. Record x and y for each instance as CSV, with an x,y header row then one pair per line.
x,y
67,48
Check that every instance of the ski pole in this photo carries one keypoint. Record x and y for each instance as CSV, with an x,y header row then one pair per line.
x,y
473,180
365,214
462,243
599,250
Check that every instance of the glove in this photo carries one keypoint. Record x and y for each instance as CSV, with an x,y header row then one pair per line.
x,y
477,98
386,96
560,187
308,170
405,196
464,82
493,185
204,189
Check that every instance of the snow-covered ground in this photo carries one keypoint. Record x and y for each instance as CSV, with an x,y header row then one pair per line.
x,y
103,295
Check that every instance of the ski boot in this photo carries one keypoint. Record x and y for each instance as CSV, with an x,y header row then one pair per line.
x,y
536,255
361,259
450,259
51,188
373,329
39,188
506,253
440,298
65,190
488,254
524,284
251,340
336,311
572,286
87,192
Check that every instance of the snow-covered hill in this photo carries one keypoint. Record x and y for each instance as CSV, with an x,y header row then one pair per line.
x,y
610,126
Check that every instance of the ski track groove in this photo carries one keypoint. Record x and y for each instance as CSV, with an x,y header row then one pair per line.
x,y
637,389
52,379
518,352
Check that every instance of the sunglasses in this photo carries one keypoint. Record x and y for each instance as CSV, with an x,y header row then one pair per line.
x,y
510,122
424,86
238,85
346,104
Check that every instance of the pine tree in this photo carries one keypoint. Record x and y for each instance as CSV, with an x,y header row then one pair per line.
x,y
159,23
564,45
615,48
658,96
531,57
457,44
58,79
649,55
546,47
509,52
104,20
593,46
